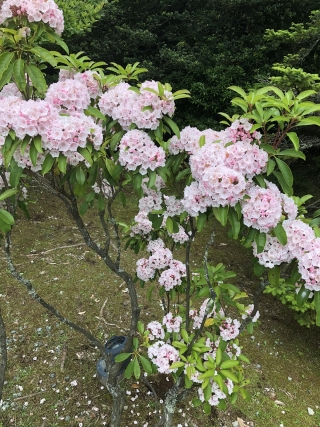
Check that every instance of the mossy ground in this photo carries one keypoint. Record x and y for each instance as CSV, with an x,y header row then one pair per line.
x,y
51,369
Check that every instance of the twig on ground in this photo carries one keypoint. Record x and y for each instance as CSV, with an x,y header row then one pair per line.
x,y
63,356
29,395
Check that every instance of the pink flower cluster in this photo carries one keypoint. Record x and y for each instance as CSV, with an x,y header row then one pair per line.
x,y
161,258
217,394
35,11
172,324
221,170
204,309
138,150
145,109
301,245
264,207
155,330
71,95
163,355
229,330
87,78
59,133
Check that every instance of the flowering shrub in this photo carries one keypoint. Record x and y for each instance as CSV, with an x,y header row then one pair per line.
x,y
91,135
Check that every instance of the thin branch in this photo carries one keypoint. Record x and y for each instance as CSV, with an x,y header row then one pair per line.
x,y
32,292
188,273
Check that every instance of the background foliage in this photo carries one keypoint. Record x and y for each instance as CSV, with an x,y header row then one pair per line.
x,y
204,46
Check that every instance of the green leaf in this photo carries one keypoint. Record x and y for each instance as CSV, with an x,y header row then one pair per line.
x,y
281,234
285,171
62,163
260,181
258,269
15,174
146,365
122,356
83,208
250,238
302,296
95,112
152,178
274,275
230,375
6,217
260,239
196,402
6,75
8,193
172,125
136,369
47,164
55,38
129,370
80,175
5,59
33,153
229,364
294,139
37,78
287,189
85,154
4,226
292,153
169,224
37,140
221,213
18,74
207,408
45,55
270,166
235,223
201,220
239,90
317,306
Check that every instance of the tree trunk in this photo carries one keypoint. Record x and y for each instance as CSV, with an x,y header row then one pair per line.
x,y
118,394
173,396
3,353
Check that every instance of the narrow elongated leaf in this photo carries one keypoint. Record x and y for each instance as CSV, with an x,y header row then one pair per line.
x,y
6,75
8,193
285,171
5,60
317,306
172,125
47,164
37,78
294,139
281,234
33,153
62,162
85,153
288,190
292,153
15,174
122,356
229,364
80,175
239,90
55,38
3,225
146,364
136,369
92,111
45,55
260,240
270,166
230,375
18,74
302,296
274,275
37,140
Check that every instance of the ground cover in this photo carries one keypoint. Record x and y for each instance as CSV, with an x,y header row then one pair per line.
x,y
51,369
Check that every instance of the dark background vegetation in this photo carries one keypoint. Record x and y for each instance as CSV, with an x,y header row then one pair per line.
x,y
201,45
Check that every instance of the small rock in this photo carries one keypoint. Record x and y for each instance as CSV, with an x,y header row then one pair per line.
x,y
235,424
310,411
